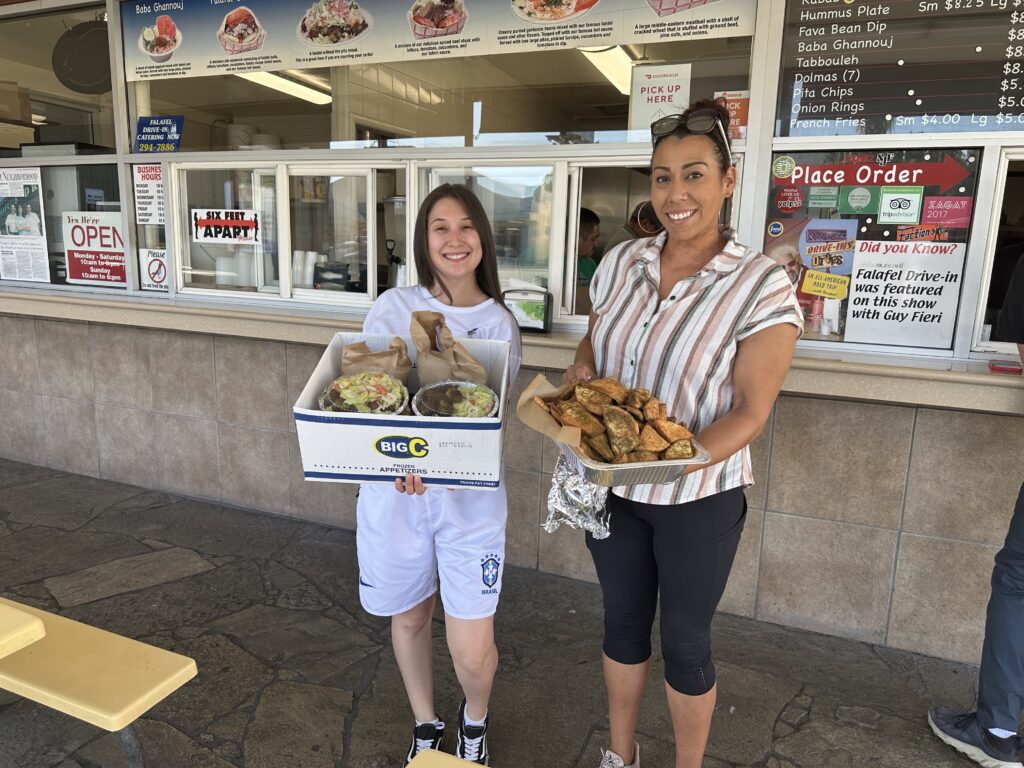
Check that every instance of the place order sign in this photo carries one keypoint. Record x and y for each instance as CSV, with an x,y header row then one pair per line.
x,y
869,68
944,174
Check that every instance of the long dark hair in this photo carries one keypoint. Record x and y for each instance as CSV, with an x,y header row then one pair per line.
x,y
486,270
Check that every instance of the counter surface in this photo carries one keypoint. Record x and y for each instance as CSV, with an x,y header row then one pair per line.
x,y
910,381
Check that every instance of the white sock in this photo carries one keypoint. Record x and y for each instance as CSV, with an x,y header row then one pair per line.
x,y
1002,733
475,723
435,722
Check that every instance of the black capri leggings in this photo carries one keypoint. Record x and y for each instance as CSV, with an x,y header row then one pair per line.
x,y
686,552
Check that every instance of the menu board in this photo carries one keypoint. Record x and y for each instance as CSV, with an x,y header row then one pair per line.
x,y
194,38
874,242
902,66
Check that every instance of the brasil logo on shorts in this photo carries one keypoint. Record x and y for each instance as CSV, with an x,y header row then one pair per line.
x,y
401,447
489,570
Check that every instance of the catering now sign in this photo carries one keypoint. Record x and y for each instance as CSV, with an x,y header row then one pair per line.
x,y
94,247
195,38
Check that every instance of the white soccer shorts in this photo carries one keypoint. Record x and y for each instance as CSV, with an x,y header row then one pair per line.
x,y
406,542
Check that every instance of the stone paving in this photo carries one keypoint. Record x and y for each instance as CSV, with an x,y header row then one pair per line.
x,y
293,674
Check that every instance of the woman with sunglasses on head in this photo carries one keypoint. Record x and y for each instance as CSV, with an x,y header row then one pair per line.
x,y
709,326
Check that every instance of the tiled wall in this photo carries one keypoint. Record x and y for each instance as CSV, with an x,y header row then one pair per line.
x,y
868,521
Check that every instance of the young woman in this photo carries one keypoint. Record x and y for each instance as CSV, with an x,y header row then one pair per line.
x,y
709,327
408,536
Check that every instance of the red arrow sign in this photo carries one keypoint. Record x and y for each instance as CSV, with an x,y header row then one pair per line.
x,y
945,175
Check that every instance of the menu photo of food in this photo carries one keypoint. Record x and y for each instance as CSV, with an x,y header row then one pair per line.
x,y
333,22
435,18
546,11
160,40
666,7
241,32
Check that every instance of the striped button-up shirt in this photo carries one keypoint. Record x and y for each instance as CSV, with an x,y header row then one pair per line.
x,y
683,348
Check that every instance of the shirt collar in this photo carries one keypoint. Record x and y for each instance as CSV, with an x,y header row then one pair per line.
x,y
722,263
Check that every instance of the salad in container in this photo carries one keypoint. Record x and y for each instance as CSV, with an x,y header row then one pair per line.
x,y
459,399
434,18
365,393
161,39
333,22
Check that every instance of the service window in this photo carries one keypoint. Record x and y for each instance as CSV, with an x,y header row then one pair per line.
x,y
330,220
62,224
228,224
518,202
1009,249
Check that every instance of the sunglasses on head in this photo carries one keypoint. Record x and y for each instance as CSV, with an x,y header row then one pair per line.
x,y
700,121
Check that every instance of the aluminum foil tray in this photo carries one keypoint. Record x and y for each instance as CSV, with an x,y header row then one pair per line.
x,y
638,473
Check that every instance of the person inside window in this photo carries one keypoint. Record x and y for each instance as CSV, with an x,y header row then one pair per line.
x,y
590,232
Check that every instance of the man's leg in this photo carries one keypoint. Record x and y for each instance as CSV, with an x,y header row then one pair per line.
x,y
1001,680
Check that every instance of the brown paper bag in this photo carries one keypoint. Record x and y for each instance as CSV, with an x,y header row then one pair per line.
x,y
438,356
394,361
535,417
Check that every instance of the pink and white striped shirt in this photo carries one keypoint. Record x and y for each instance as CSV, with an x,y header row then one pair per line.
x,y
682,349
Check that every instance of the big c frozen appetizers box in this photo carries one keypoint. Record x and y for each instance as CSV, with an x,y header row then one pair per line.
x,y
376,448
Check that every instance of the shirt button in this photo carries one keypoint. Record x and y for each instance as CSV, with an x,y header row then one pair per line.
x,y
646,324
671,298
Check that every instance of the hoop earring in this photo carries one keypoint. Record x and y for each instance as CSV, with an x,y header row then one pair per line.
x,y
640,223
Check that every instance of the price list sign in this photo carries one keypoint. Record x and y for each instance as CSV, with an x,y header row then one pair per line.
x,y
857,67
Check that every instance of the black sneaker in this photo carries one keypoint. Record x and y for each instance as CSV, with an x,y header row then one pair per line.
x,y
471,741
426,736
962,733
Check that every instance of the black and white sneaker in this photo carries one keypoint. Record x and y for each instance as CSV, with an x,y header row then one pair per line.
x,y
471,744
426,736
962,733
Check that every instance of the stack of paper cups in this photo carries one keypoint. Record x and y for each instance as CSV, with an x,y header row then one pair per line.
x,y
240,135
266,141
310,266
298,266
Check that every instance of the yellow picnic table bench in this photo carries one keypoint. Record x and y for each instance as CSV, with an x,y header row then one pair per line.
x,y
18,629
430,758
91,674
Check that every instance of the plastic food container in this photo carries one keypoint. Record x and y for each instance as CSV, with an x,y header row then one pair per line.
x,y
637,473
422,407
324,401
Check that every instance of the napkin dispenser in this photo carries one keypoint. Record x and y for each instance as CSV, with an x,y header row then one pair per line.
x,y
531,308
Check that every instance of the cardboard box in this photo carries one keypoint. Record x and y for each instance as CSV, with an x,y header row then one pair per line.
x,y
374,448
15,103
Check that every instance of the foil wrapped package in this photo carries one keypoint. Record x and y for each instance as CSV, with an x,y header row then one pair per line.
x,y
576,502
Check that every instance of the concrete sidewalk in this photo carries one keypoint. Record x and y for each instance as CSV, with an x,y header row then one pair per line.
x,y
293,674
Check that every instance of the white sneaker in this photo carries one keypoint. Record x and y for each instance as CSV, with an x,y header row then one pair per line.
x,y
611,760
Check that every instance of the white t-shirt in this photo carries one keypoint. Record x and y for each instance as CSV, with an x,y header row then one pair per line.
x,y
11,224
